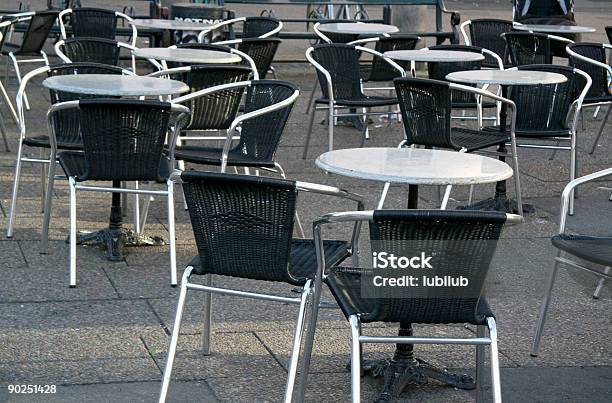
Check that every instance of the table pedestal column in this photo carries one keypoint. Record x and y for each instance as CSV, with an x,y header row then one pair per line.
x,y
115,237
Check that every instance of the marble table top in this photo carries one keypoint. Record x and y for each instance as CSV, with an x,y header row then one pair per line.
x,y
414,166
434,55
506,77
187,55
554,29
356,28
177,25
115,85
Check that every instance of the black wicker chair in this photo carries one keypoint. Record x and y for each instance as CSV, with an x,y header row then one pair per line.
x,y
426,107
243,227
252,27
90,50
30,50
531,48
578,251
261,50
67,128
123,140
486,33
474,235
94,23
591,58
609,34
461,99
338,71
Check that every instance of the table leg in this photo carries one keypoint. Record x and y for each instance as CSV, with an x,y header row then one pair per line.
x,y
404,369
115,237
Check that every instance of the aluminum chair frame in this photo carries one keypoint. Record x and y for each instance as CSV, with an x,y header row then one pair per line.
x,y
22,18
202,34
357,339
20,103
467,37
240,41
513,148
596,63
179,110
310,293
332,106
231,50
122,45
566,200
118,14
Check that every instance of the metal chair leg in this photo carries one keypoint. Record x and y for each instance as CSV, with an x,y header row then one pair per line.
x,y
517,181
600,283
355,360
544,309
9,231
383,196
471,195
171,233
43,181
447,193
601,129
573,169
297,343
309,133
495,374
480,364
330,128
175,335
73,232
136,211
44,242
207,317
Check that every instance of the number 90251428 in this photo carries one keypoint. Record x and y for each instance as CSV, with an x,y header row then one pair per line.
x,y
31,389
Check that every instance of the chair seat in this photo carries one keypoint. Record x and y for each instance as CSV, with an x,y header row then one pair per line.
x,y
364,101
594,249
303,258
43,142
532,134
73,163
475,139
345,285
212,156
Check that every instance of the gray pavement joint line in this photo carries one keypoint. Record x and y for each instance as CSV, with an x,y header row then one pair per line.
x,y
159,319
269,350
144,343
110,280
23,254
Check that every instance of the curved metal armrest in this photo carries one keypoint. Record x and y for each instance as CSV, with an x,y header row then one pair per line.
x,y
279,105
130,21
393,64
274,31
228,42
588,59
60,18
167,72
59,53
567,192
560,39
181,112
320,34
576,105
55,108
328,79
466,37
364,41
494,55
210,90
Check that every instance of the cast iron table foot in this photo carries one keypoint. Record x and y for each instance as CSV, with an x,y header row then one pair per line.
x,y
499,204
114,240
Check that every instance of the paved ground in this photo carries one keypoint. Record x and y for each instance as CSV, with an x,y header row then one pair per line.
x,y
106,340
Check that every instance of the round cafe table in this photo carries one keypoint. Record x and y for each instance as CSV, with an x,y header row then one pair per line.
x,y
358,28
173,25
115,236
504,78
413,166
199,56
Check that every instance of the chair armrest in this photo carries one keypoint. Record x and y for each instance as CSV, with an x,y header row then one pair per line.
x,y
317,66
588,59
214,27
576,106
55,108
320,34
567,192
466,37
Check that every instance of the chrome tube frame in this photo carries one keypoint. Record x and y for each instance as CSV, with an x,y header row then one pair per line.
x,y
202,34
231,50
466,37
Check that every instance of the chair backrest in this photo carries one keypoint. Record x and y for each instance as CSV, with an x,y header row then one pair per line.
x,y
486,33
123,139
438,71
243,225
260,135
342,63
544,108
262,51
595,51
255,27
461,241
93,22
92,50
528,48
37,32
609,34
215,111
381,70
426,111
66,122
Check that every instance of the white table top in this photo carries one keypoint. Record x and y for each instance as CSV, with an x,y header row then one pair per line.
x,y
187,55
357,28
414,166
115,85
554,29
506,77
177,25
434,55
